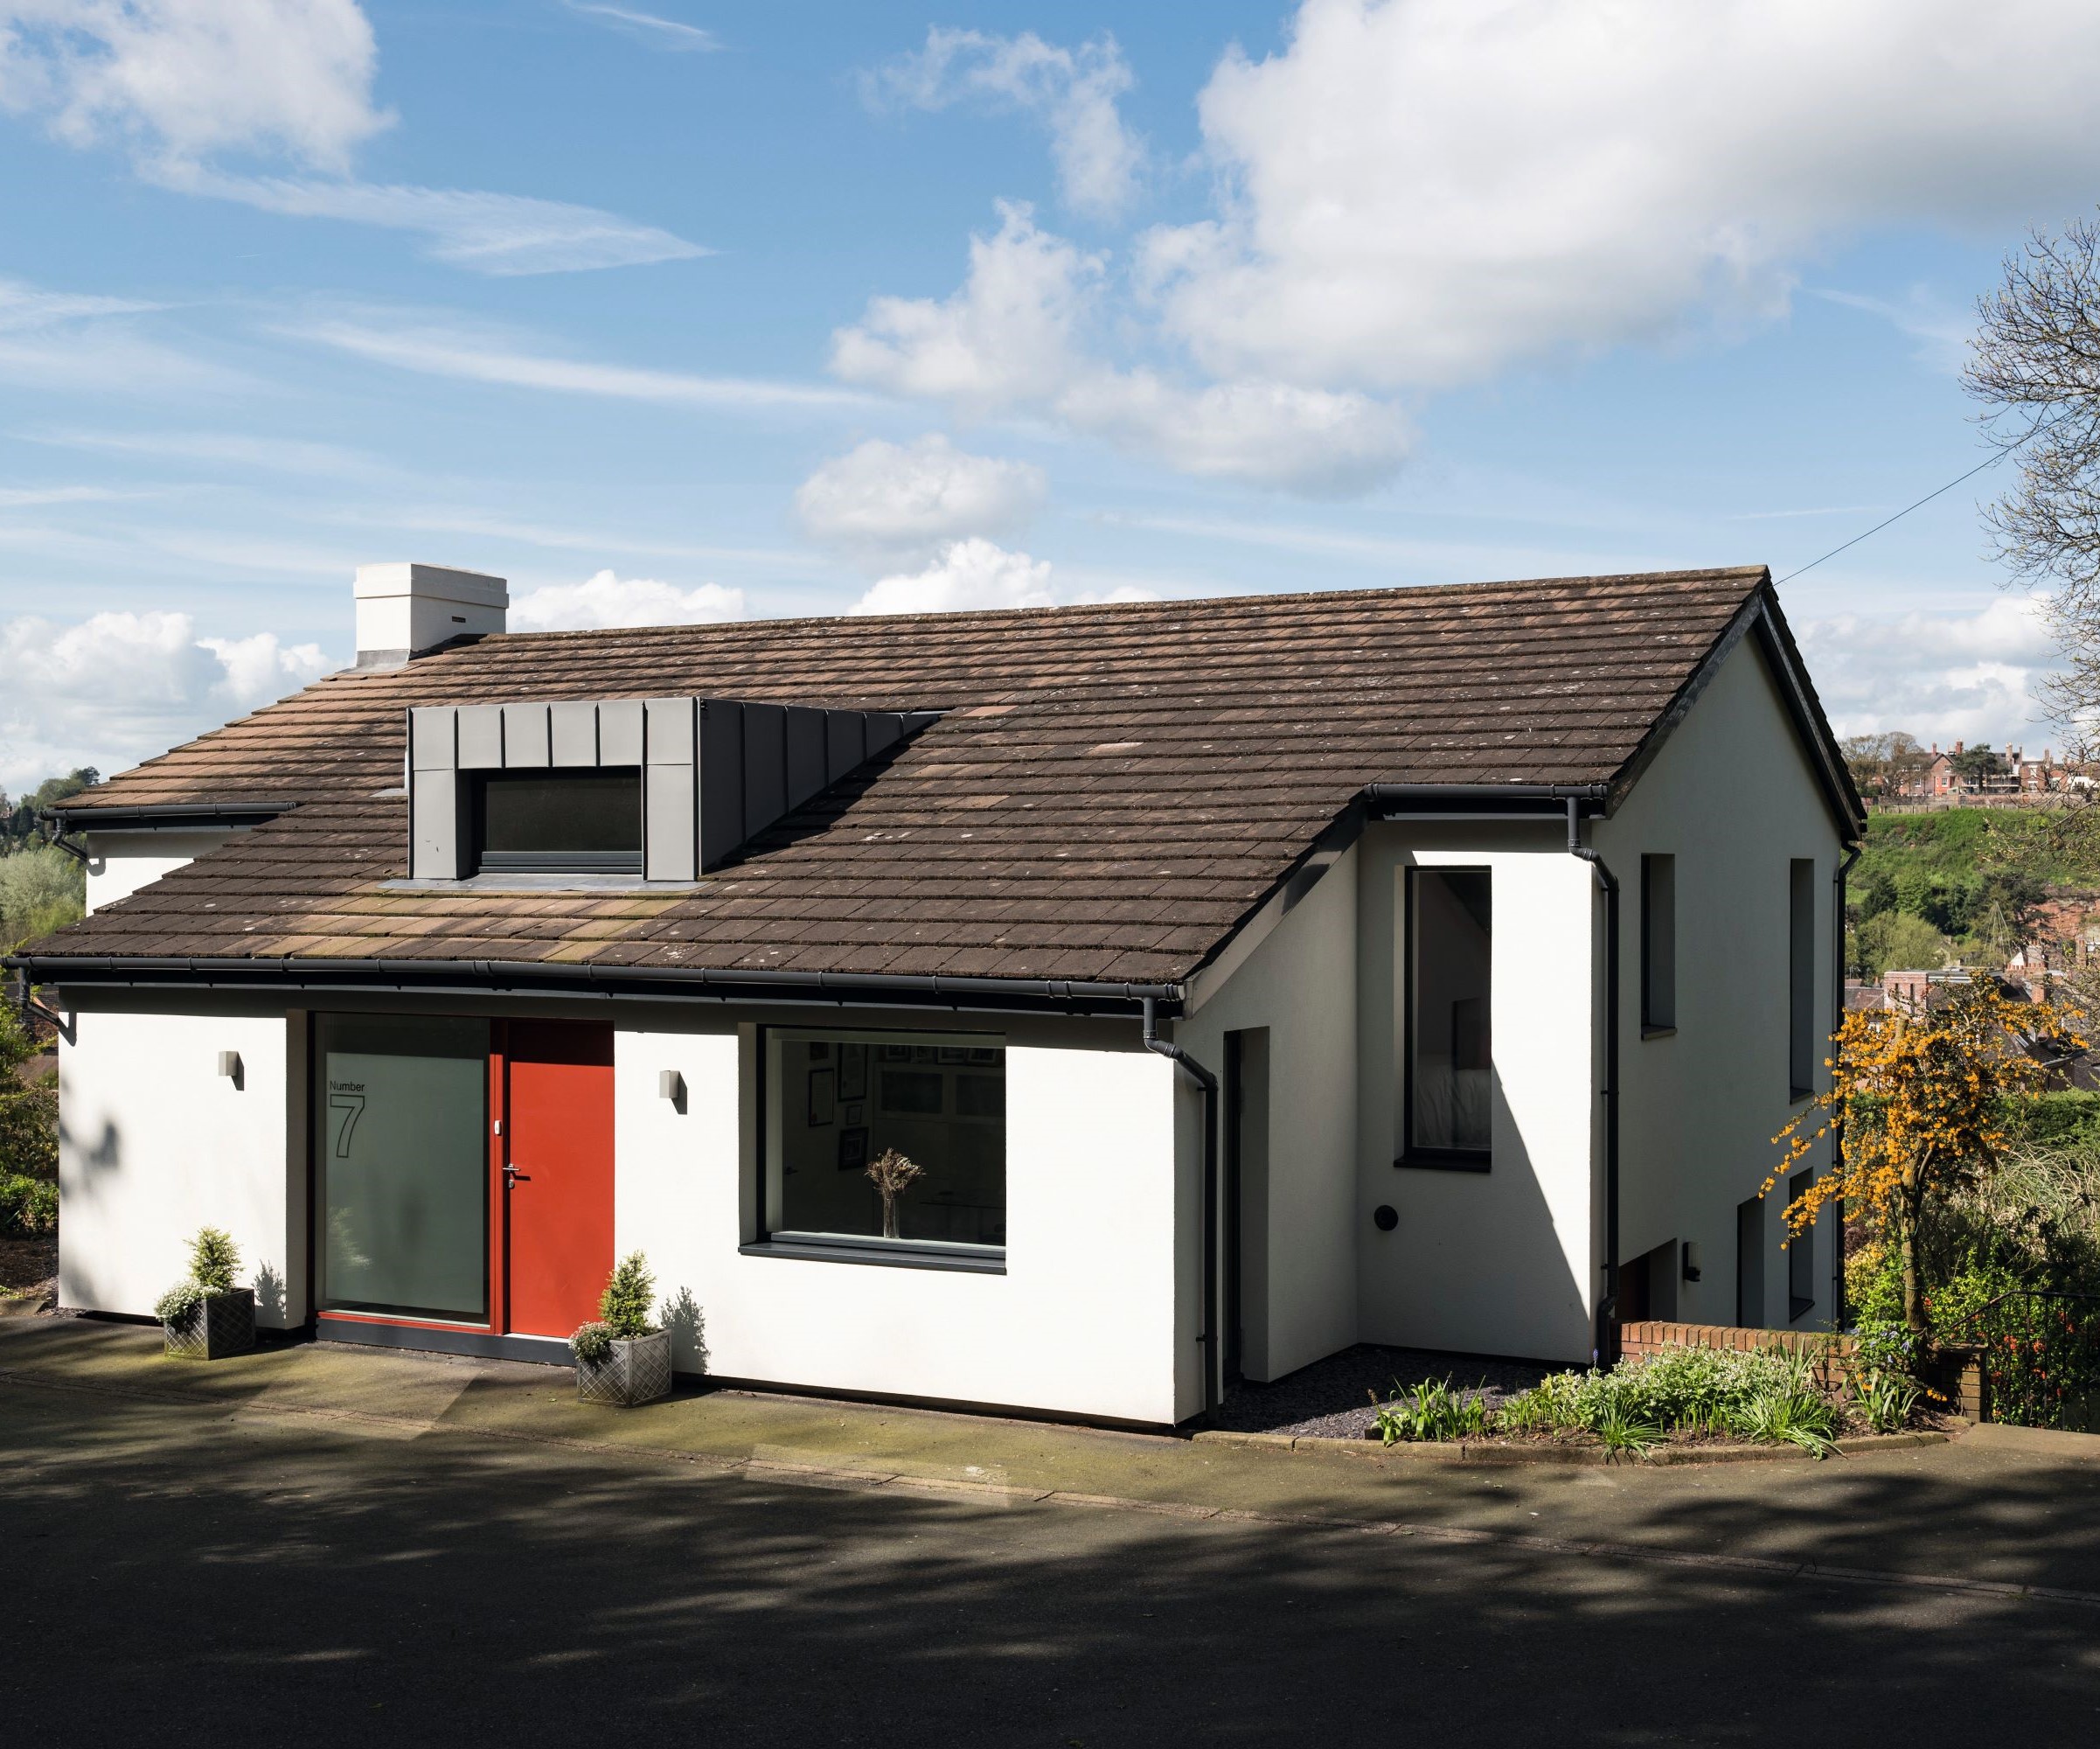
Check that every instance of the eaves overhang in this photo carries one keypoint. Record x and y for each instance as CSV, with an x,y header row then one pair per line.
x,y
484,979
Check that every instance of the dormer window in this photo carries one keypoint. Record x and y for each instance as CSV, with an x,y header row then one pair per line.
x,y
582,822
658,789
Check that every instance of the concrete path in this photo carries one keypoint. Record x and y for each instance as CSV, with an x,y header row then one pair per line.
x,y
338,1545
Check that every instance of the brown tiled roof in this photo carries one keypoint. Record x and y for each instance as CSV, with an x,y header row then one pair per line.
x,y
1111,792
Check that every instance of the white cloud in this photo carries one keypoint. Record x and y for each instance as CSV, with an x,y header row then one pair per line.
x,y
966,574
1944,676
1072,91
1943,333
1315,441
662,34
81,342
1418,192
1008,335
180,84
503,234
1012,338
604,600
481,356
900,498
119,687
186,79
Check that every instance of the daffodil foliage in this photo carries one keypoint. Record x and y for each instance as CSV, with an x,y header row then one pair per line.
x,y
1918,1103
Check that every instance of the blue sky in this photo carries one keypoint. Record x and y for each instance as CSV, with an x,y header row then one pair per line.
x,y
669,310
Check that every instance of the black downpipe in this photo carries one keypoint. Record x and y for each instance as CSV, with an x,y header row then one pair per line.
x,y
1209,1083
1837,1131
1607,1308
54,830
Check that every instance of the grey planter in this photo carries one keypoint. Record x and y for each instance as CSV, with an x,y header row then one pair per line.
x,y
636,1370
219,1324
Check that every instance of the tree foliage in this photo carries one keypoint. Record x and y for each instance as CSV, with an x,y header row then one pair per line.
x,y
2034,369
1919,1102
29,1110
1881,765
41,889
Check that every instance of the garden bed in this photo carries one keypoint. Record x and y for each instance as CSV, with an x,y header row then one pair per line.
x,y
29,1272
1336,1399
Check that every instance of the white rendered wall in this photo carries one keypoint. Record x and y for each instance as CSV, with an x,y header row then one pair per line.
x,y
1498,1262
1300,983
1732,796
1081,1323
155,1143
119,863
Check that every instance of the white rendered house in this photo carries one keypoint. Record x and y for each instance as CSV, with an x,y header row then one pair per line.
x,y
1247,978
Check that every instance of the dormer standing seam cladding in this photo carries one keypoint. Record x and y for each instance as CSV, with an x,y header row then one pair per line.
x,y
715,772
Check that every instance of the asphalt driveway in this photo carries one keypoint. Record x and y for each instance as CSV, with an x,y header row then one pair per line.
x,y
330,1547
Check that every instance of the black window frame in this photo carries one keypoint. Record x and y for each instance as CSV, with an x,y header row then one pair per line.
x,y
1410,1156
858,1248
1800,1254
1658,944
620,862
1801,955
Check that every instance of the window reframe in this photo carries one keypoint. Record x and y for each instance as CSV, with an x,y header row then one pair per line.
x,y
1410,1156
769,1240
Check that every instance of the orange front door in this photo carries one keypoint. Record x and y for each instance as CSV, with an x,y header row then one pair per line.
x,y
559,1160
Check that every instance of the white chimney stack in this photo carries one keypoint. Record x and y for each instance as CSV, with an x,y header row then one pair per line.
x,y
404,609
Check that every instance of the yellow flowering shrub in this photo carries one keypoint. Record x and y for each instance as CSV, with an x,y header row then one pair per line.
x,y
1918,1102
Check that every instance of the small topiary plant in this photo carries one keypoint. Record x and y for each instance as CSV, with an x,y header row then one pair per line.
x,y
214,1261
624,1310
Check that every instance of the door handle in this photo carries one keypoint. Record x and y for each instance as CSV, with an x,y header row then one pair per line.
x,y
511,1175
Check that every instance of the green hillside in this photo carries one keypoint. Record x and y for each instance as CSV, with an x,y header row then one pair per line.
x,y
1979,878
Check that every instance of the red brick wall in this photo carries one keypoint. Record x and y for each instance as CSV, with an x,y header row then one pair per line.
x,y
1638,1342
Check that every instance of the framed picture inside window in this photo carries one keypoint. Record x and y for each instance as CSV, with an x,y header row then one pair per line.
x,y
823,1097
855,1113
852,1071
852,1150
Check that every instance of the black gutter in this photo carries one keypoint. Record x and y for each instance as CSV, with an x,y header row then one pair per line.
x,y
161,816
54,830
1540,801
483,978
1607,1308
1837,1129
1212,1313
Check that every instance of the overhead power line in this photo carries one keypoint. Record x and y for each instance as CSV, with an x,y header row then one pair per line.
x,y
1990,462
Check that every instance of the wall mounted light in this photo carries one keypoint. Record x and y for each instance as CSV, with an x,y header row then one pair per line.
x,y
1691,1260
1385,1217
229,1066
672,1085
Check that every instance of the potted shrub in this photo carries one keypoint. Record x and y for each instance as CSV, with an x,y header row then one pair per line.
x,y
622,1357
204,1315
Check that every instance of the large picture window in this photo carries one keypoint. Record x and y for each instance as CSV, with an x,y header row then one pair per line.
x,y
1449,1095
836,1101
401,1153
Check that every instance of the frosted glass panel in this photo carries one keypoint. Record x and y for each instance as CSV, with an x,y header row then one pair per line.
x,y
1452,1071
401,1113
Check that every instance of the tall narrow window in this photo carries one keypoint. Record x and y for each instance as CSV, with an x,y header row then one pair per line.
x,y
401,1153
1450,1045
1800,1256
1749,1264
1659,943
1801,1031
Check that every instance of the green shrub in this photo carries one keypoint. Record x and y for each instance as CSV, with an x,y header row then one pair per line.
x,y
29,1112
178,1302
593,1341
629,1297
1434,1410
28,1206
1803,1418
214,1260
41,889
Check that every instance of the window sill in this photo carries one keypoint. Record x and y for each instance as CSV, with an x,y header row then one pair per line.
x,y
890,1253
1800,1096
1659,1032
611,885
1420,1161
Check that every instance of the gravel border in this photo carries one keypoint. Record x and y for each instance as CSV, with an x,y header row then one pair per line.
x,y
1333,1398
